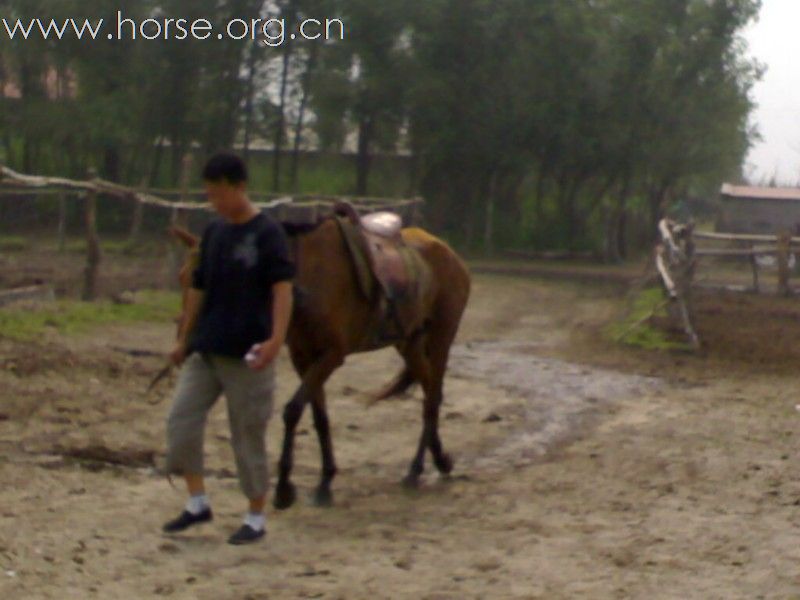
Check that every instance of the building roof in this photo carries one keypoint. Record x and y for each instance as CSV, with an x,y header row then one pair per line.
x,y
760,193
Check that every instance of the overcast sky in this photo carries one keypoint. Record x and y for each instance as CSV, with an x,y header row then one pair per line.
x,y
775,41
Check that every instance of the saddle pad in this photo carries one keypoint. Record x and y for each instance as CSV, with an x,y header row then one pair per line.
x,y
352,239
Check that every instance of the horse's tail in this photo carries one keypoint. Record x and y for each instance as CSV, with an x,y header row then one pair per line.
x,y
398,386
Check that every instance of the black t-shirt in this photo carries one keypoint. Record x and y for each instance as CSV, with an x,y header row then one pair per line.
x,y
239,264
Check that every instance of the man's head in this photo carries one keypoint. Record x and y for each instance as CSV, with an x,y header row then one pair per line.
x,y
225,178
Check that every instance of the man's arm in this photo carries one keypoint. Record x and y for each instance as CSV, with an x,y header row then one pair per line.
x,y
194,301
191,311
282,305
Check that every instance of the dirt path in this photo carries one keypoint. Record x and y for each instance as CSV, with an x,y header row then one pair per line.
x,y
571,480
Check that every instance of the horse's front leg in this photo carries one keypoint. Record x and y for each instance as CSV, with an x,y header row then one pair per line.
x,y
285,493
311,390
323,495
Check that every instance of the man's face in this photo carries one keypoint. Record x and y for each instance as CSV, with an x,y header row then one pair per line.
x,y
226,198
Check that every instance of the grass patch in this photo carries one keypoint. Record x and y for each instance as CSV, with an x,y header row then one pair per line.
x,y
116,247
13,243
72,316
636,328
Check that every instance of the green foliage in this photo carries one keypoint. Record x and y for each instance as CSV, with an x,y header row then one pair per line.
x,y
13,243
116,246
548,123
68,317
636,329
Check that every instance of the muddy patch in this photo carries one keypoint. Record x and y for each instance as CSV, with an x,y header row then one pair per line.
x,y
99,456
557,399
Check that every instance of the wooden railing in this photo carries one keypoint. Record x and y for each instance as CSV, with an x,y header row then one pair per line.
x,y
675,261
681,247
291,208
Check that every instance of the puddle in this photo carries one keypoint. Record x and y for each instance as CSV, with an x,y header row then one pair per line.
x,y
557,399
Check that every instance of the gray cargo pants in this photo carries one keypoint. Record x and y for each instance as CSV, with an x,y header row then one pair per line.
x,y
249,397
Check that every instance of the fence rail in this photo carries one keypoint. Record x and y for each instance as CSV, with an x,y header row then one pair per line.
x,y
289,208
678,253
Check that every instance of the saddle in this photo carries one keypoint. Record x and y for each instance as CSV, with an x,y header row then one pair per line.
x,y
382,257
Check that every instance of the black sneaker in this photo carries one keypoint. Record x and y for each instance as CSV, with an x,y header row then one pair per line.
x,y
186,520
246,535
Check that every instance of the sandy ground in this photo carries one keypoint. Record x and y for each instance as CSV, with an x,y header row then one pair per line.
x,y
582,471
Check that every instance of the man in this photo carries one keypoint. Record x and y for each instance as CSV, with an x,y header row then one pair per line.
x,y
237,315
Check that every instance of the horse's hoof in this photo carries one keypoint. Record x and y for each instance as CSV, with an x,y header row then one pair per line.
x,y
285,496
445,464
323,498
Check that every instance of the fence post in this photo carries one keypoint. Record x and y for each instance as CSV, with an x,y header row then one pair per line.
x,y
93,254
138,216
676,266
784,253
62,221
136,223
754,265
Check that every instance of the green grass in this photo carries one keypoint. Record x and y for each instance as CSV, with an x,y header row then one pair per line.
x,y
117,247
13,243
636,330
71,316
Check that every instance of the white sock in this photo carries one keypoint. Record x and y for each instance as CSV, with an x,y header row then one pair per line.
x,y
197,504
256,521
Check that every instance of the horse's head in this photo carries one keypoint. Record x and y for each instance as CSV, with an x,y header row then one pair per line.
x,y
192,243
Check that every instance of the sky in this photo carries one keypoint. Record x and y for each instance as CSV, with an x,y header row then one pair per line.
x,y
775,41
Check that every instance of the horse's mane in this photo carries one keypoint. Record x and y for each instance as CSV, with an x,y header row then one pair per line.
x,y
294,230
341,209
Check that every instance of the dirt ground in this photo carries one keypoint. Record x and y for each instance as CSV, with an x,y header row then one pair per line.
x,y
583,469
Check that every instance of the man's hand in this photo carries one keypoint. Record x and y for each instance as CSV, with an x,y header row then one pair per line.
x,y
178,354
263,355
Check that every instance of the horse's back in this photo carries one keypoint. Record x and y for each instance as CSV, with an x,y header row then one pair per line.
x,y
436,251
448,269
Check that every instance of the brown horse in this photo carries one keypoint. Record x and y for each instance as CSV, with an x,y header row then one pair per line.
x,y
332,319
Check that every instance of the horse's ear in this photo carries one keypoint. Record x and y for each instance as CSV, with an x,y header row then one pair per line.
x,y
189,239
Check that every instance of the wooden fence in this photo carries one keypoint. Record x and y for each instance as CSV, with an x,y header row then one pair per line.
x,y
286,208
681,248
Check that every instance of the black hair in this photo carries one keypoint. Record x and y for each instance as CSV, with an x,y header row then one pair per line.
x,y
225,166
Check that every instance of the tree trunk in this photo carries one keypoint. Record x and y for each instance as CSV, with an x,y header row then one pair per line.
x,y
156,166
281,125
488,232
27,155
541,181
93,254
111,163
363,158
301,114
10,154
178,152
477,191
569,197
136,223
249,99
616,225
178,219
656,206
622,229
62,221
138,217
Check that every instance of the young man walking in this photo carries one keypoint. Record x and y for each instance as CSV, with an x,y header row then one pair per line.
x,y
236,317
